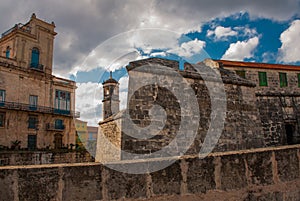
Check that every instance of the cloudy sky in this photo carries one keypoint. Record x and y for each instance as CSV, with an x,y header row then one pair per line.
x,y
95,36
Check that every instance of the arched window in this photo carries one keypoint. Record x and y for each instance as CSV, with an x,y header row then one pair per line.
x,y
7,52
35,57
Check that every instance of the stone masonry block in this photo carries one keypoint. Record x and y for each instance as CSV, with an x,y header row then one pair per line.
x,y
7,184
168,180
233,174
200,175
38,183
85,180
122,185
260,168
287,164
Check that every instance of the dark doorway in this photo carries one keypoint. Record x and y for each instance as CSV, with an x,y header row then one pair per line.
x,y
289,130
31,142
57,141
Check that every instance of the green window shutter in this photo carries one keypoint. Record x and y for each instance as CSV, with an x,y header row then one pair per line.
x,y
262,77
283,79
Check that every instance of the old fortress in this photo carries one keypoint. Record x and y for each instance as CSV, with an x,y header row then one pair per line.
x,y
257,156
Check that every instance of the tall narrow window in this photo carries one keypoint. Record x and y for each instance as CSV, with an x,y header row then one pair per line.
x,y
298,79
33,101
263,81
35,57
57,141
283,79
59,124
2,97
7,52
32,141
32,122
62,101
2,119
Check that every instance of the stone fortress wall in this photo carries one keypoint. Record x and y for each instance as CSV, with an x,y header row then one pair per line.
x,y
256,116
278,103
258,174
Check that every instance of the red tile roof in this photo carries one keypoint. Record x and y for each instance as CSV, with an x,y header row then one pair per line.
x,y
241,64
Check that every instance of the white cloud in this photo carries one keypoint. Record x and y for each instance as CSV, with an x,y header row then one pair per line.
x,y
241,49
123,92
290,39
117,51
89,100
223,32
189,48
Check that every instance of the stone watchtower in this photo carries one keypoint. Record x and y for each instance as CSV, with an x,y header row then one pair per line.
x,y
110,100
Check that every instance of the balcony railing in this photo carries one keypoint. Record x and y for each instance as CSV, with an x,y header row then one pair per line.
x,y
41,109
36,66
54,127
20,26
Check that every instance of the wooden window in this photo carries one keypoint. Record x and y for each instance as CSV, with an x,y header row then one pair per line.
x,y
7,52
262,77
59,124
33,102
2,119
32,139
2,95
32,122
35,57
283,79
62,100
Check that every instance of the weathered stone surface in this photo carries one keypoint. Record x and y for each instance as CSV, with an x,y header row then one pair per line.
x,y
8,179
38,184
168,180
242,128
85,181
200,175
122,185
220,176
260,168
43,157
275,196
287,165
292,196
233,174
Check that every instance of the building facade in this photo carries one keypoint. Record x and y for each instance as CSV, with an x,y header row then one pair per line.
x,y
36,108
277,94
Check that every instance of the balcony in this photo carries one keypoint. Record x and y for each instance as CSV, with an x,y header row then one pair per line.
x,y
20,26
54,127
39,109
36,66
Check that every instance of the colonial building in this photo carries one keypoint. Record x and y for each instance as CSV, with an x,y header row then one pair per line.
x,y
278,98
262,108
36,108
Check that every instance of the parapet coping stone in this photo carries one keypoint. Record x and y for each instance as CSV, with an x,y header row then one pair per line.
x,y
215,154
